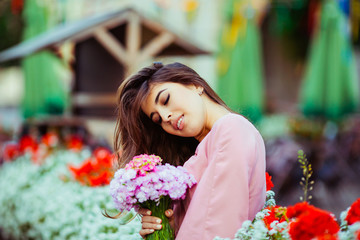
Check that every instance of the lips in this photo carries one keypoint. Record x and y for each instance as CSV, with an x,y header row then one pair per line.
x,y
178,124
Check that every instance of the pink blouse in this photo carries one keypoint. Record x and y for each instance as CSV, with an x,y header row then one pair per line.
x,y
229,167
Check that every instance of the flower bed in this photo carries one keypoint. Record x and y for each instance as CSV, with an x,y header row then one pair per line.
x,y
37,203
48,192
300,222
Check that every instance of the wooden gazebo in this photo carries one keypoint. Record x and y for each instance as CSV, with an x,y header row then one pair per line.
x,y
107,48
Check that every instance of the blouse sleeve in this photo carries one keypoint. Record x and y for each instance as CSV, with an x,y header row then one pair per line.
x,y
235,175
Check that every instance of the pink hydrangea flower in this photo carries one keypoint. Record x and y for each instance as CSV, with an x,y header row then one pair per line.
x,y
144,164
145,179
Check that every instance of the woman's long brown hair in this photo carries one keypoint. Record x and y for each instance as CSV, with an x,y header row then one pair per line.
x,y
135,133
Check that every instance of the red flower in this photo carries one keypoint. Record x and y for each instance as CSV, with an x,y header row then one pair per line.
x,y
299,209
75,143
28,144
358,235
50,139
102,179
104,157
354,213
327,237
95,171
10,151
269,184
310,222
276,213
82,172
85,168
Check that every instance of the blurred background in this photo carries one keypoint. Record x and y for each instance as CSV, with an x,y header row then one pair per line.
x,y
291,67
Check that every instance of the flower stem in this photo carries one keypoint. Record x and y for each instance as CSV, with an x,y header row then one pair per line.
x,y
158,210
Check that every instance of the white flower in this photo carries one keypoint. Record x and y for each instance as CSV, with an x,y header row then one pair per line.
x,y
350,233
259,216
260,231
270,194
246,224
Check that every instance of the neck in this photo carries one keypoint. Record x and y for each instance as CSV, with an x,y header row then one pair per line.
x,y
213,111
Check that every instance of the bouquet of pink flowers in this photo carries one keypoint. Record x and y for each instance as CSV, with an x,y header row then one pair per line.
x,y
145,183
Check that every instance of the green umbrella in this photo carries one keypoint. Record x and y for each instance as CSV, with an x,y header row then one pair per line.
x,y
330,88
240,66
44,91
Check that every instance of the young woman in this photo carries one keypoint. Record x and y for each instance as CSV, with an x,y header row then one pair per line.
x,y
172,112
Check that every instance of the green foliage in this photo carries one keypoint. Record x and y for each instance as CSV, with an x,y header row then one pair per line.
x,y
288,20
11,26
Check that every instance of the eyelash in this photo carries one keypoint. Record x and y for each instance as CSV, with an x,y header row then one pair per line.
x,y
167,99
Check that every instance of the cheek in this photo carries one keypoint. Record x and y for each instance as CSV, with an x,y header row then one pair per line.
x,y
201,122
195,123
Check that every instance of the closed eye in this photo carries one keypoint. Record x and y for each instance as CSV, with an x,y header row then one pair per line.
x,y
167,99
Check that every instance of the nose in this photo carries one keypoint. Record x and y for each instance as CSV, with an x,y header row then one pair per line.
x,y
165,115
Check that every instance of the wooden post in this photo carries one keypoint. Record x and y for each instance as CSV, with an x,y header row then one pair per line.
x,y
133,37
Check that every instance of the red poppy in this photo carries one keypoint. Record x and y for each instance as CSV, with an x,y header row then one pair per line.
x,y
269,183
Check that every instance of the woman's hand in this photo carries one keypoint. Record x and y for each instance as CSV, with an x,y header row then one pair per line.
x,y
151,223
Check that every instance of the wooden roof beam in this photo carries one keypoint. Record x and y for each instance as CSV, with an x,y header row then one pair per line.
x,y
156,45
111,44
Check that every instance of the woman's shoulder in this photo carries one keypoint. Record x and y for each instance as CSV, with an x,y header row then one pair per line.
x,y
231,123
230,127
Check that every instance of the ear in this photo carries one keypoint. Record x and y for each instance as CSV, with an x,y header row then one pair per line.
x,y
199,89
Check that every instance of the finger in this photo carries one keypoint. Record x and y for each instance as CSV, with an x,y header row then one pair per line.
x,y
169,213
150,219
153,226
144,232
144,212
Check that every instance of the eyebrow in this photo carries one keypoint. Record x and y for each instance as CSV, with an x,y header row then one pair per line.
x,y
158,95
